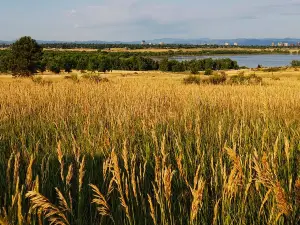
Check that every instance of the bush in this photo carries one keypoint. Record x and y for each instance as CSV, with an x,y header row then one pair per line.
x,y
40,80
241,73
194,69
216,79
272,69
295,63
275,78
73,77
55,69
37,79
208,72
242,79
95,78
192,80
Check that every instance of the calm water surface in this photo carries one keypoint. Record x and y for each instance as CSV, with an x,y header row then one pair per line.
x,y
250,61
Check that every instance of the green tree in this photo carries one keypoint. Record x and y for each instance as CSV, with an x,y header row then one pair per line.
x,y
164,65
194,69
26,55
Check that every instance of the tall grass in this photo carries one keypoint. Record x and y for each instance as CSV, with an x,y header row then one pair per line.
x,y
159,152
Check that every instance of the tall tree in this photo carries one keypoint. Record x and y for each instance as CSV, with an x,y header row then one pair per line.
x,y
26,55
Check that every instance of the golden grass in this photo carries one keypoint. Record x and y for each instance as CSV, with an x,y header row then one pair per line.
x,y
147,149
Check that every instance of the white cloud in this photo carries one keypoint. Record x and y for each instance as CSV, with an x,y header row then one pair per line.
x,y
135,19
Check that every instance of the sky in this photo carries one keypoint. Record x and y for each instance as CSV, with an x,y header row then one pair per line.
x,y
134,20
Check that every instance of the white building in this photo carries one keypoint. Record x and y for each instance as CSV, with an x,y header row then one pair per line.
x,y
235,44
226,44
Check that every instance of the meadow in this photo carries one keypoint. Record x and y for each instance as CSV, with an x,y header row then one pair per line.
x,y
145,148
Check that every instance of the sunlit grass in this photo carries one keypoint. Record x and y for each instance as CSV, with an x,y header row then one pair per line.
x,y
147,149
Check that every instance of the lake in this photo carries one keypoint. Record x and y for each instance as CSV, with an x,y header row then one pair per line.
x,y
250,61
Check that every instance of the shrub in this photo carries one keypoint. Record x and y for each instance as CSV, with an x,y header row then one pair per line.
x,y
275,78
55,69
37,79
94,78
73,77
295,63
208,72
192,80
216,79
241,73
194,69
40,80
272,69
242,79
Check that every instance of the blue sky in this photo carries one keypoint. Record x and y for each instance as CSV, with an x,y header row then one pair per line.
x,y
131,20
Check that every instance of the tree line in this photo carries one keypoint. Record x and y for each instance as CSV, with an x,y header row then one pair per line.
x,y
26,57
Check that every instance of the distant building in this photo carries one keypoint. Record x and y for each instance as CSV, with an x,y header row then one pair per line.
x,y
235,44
161,43
273,44
280,44
143,42
286,44
226,44
298,44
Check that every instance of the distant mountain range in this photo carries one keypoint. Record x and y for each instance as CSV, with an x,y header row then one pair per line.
x,y
200,41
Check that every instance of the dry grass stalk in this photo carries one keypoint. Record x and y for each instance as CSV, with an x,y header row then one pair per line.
x,y
180,168
4,221
100,201
69,175
158,169
106,167
117,179
297,191
282,203
60,157
63,205
235,179
269,180
264,172
125,157
168,174
133,176
197,193
216,209
28,181
265,200
81,172
52,213
16,168
20,215
152,210
8,178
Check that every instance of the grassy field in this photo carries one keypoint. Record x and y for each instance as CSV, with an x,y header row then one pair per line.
x,y
144,148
